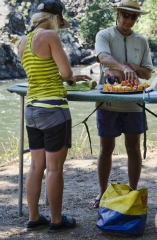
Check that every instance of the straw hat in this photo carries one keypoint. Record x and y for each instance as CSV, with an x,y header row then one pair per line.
x,y
130,5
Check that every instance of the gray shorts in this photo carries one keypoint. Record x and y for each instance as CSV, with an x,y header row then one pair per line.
x,y
48,128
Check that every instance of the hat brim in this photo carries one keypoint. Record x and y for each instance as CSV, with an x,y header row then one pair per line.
x,y
130,9
66,24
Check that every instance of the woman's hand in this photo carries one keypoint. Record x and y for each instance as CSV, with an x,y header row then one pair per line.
x,y
72,81
82,78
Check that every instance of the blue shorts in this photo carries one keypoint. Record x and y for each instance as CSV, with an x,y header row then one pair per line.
x,y
113,124
48,128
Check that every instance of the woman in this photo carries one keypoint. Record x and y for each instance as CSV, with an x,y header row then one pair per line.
x,y
48,119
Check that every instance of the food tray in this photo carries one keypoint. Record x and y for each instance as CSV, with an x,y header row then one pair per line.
x,y
125,92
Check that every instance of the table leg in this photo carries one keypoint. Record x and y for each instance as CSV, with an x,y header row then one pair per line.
x,y
21,152
21,147
46,199
145,136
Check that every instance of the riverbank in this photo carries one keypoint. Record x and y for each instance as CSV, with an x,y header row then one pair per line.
x,y
10,117
80,187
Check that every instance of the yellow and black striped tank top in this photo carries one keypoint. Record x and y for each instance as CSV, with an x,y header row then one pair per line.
x,y
44,80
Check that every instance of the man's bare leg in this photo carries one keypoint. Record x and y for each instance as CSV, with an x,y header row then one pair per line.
x,y
104,166
132,143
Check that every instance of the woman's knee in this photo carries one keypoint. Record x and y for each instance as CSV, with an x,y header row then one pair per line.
x,y
55,170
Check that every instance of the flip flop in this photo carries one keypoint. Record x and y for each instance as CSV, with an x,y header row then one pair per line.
x,y
94,204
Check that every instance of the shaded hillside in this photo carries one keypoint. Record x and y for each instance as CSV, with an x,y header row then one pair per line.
x,y
14,20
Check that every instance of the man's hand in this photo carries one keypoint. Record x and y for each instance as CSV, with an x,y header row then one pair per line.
x,y
141,72
130,74
113,73
133,66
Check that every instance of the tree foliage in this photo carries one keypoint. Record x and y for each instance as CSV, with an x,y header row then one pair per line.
x,y
147,25
97,16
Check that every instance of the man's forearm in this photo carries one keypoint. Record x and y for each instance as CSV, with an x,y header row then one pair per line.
x,y
109,62
143,73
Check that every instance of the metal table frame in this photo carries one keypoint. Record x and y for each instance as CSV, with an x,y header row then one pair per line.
x,y
89,96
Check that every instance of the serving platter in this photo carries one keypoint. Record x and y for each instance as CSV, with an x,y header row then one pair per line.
x,y
125,92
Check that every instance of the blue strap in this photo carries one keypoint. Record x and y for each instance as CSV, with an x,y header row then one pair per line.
x,y
147,101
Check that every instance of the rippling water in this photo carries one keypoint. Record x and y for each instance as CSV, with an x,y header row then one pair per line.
x,y
10,114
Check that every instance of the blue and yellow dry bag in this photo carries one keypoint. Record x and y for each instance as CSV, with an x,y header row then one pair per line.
x,y
123,211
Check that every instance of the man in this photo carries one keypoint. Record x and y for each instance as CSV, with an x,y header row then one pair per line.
x,y
121,52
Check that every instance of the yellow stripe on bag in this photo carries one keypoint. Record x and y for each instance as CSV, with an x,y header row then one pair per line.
x,y
121,198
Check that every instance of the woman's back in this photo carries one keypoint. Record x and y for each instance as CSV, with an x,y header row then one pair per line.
x,y
43,73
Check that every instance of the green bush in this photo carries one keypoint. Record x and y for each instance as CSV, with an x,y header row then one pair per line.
x,y
147,24
97,16
20,8
28,4
153,43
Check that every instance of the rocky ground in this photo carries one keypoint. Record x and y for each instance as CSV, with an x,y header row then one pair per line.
x,y
80,187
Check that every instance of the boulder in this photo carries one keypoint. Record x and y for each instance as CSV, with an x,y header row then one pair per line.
x,y
88,60
10,67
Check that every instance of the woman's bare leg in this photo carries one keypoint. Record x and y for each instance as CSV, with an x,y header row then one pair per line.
x,y
54,182
33,182
132,143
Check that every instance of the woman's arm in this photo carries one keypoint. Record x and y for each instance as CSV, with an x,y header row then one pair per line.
x,y
59,56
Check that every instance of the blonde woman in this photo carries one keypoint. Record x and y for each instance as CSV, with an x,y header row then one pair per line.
x,y
48,119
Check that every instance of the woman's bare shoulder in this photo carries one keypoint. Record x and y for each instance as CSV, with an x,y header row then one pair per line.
x,y
49,34
21,39
20,45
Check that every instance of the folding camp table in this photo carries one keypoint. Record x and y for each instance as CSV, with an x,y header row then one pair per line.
x,y
94,95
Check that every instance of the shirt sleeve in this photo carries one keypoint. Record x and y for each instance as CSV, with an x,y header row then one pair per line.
x,y
102,42
146,60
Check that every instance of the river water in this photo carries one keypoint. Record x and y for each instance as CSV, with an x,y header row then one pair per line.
x,y
10,113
